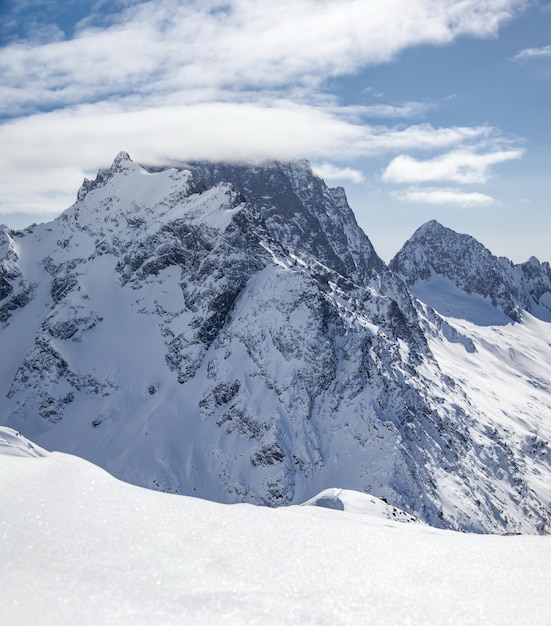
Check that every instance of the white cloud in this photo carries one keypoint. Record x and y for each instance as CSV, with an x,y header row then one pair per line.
x,y
445,196
404,110
459,166
50,152
532,53
216,79
423,137
165,46
328,171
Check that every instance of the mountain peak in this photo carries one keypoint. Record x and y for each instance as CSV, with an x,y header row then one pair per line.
x,y
435,253
121,156
228,331
444,236
431,225
246,306
121,163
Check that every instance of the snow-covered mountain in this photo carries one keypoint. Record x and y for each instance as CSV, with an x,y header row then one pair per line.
x,y
229,332
447,264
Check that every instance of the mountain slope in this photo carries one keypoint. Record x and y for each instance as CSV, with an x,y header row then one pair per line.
x,y
229,332
487,324
81,547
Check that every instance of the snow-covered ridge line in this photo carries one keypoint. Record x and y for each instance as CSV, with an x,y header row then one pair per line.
x,y
12,443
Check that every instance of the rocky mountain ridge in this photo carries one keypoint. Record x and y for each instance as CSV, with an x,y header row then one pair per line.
x,y
229,331
434,250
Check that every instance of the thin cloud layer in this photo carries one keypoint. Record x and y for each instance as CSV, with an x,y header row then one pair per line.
x,y
45,147
533,53
330,172
445,196
235,80
164,46
406,110
459,166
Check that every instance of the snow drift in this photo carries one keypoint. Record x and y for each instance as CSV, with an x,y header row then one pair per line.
x,y
79,546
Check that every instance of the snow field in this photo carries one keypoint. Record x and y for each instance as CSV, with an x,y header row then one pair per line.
x,y
79,546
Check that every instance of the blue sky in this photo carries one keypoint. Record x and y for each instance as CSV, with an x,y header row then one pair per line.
x,y
421,109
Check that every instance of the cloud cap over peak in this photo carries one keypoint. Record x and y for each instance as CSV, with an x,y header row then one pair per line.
x,y
358,88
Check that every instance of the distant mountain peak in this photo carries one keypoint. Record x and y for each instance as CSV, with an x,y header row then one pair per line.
x,y
431,225
436,252
444,237
121,156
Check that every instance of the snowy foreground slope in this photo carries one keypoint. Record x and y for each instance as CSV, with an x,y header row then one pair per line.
x,y
229,332
80,547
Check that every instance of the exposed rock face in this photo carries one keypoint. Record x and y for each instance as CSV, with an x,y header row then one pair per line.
x,y
15,291
436,251
229,332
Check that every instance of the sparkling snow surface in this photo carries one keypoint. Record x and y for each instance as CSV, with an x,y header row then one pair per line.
x,y
79,547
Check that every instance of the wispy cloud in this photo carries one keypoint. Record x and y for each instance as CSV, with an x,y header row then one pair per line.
x,y
330,172
445,196
404,110
164,46
424,137
216,79
459,166
44,148
533,53
464,166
